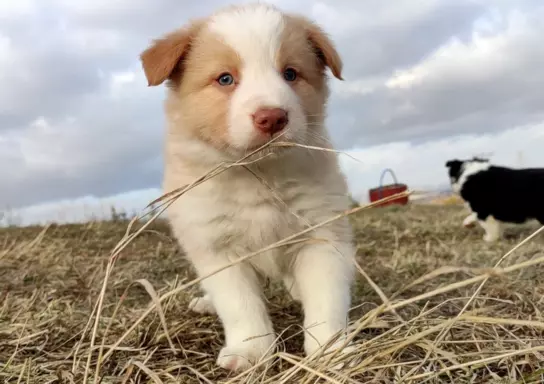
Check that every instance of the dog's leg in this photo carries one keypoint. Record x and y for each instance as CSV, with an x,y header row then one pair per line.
x,y
203,305
236,296
492,229
323,277
470,220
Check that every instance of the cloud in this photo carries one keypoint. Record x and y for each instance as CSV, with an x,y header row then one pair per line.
x,y
87,151
420,166
77,118
81,209
485,82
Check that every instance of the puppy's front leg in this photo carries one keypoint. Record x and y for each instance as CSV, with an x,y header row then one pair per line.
x,y
492,229
323,275
470,220
237,298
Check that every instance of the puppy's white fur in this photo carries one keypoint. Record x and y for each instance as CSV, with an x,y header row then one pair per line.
x,y
491,226
492,229
469,168
248,208
470,219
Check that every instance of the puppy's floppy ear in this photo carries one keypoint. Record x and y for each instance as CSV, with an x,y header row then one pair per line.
x,y
164,54
451,163
323,46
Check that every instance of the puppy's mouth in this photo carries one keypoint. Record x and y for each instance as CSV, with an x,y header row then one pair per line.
x,y
270,141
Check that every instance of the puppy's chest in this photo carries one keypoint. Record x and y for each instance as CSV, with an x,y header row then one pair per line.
x,y
254,217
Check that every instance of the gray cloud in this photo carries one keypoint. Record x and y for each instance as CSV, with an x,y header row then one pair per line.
x,y
382,49
483,84
76,116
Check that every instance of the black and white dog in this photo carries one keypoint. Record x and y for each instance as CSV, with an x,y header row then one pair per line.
x,y
497,194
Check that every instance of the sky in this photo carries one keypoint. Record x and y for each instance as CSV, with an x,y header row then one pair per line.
x,y
425,81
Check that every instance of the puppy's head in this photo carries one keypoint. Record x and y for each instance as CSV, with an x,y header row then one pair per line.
x,y
244,75
456,169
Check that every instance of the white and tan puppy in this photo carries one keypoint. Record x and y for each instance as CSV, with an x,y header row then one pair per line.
x,y
237,79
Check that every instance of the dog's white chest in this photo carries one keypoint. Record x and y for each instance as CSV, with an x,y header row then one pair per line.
x,y
237,216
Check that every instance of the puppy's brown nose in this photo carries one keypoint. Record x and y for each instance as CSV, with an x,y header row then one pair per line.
x,y
270,120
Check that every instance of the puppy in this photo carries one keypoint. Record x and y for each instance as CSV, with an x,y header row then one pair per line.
x,y
497,194
237,80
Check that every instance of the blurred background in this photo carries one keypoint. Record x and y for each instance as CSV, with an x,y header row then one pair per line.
x,y
425,81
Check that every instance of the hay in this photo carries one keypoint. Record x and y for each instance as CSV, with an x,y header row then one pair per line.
x,y
448,200
106,302
418,260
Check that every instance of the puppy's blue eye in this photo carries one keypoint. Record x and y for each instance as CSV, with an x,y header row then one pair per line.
x,y
290,74
225,79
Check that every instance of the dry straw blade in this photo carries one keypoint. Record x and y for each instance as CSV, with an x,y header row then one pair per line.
x,y
433,304
387,306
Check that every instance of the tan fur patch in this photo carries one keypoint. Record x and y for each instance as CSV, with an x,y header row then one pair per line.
x,y
163,55
205,104
320,42
298,50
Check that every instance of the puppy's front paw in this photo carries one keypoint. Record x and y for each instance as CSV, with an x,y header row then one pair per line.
x,y
245,354
202,305
469,221
350,361
490,238
326,352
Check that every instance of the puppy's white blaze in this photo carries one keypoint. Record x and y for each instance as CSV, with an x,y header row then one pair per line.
x,y
254,33
260,87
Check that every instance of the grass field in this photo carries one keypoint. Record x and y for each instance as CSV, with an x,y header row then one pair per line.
x,y
450,316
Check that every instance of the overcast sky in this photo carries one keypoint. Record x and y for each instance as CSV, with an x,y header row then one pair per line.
x,y
425,81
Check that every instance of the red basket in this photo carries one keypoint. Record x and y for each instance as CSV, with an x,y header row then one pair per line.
x,y
384,191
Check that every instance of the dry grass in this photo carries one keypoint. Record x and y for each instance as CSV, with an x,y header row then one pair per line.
x,y
445,327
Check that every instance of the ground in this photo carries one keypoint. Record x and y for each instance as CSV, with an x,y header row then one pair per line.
x,y
420,261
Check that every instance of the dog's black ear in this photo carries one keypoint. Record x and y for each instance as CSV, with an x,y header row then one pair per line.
x,y
450,163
